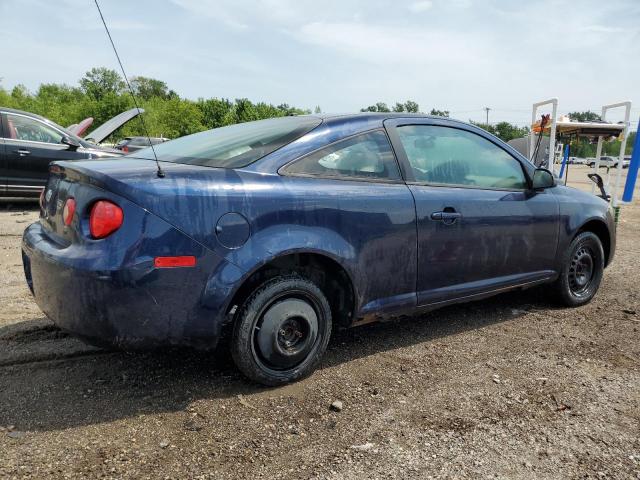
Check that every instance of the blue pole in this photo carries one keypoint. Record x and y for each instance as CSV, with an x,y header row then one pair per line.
x,y
565,157
632,173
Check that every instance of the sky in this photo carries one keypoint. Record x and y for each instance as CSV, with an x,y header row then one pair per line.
x,y
456,55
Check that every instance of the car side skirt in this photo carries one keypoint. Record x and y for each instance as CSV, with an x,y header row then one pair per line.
x,y
550,276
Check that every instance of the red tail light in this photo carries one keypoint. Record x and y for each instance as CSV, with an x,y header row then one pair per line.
x,y
125,149
106,217
171,262
69,211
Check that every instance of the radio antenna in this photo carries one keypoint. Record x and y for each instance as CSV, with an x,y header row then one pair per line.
x,y
159,172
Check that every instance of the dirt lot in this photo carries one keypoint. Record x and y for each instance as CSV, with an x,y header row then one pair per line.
x,y
511,387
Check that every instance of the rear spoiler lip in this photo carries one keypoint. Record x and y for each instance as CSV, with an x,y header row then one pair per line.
x,y
68,170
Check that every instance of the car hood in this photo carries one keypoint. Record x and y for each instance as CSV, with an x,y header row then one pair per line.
x,y
110,126
98,151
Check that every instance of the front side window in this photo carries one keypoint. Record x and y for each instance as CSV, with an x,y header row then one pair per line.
x,y
23,128
365,156
449,156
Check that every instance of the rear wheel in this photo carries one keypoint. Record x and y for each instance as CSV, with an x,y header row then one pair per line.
x,y
582,270
281,331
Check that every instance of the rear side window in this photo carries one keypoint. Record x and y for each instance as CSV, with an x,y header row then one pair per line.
x,y
234,146
366,156
450,156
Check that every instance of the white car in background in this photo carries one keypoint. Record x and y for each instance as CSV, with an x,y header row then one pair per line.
x,y
577,161
608,162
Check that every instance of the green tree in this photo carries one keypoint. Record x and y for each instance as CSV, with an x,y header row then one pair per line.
x,y
503,130
285,109
171,118
439,113
378,107
587,116
215,111
147,88
411,107
101,95
506,131
98,82
244,110
59,101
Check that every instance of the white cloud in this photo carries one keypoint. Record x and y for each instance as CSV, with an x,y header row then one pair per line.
x,y
409,47
459,55
422,6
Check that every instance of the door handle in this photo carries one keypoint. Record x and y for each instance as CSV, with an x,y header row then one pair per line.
x,y
446,217
22,152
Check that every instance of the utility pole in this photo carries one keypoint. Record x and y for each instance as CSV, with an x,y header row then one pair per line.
x,y
486,109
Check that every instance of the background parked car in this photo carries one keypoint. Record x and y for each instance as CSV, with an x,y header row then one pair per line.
x,y
29,142
133,144
605,161
610,162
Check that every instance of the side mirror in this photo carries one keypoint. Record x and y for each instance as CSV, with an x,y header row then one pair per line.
x,y
70,142
542,178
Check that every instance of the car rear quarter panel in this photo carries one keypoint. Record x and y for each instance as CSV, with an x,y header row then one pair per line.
x,y
109,288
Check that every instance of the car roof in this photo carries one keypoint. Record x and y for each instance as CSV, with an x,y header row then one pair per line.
x,y
378,117
26,114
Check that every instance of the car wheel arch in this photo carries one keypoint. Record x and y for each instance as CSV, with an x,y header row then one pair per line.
x,y
601,230
329,273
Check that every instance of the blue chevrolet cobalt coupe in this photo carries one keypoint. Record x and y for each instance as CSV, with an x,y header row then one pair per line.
x,y
279,230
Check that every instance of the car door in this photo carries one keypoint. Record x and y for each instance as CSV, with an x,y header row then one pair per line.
x,y
353,187
480,227
30,145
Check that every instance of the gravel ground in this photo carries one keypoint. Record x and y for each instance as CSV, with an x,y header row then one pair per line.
x,y
510,387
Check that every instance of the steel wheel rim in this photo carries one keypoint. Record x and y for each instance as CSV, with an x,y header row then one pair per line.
x,y
581,271
287,331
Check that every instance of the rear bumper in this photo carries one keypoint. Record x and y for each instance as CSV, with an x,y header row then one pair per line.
x,y
127,302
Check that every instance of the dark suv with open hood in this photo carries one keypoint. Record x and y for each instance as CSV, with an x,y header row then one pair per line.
x,y
29,142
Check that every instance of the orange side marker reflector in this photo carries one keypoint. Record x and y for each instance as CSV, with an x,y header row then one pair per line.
x,y
171,262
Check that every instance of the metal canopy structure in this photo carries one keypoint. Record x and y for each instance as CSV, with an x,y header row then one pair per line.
x,y
602,130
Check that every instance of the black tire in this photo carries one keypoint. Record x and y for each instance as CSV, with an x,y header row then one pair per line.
x,y
582,270
281,331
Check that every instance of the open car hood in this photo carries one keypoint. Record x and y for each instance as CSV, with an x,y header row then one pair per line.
x,y
110,126
80,128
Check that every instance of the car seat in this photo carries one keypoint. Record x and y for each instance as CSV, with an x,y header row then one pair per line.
x,y
12,129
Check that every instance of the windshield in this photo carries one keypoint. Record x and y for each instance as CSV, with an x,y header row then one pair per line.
x,y
234,146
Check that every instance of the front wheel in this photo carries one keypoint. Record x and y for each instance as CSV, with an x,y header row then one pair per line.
x,y
582,270
281,331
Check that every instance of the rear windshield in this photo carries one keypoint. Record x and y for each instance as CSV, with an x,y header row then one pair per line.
x,y
234,146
